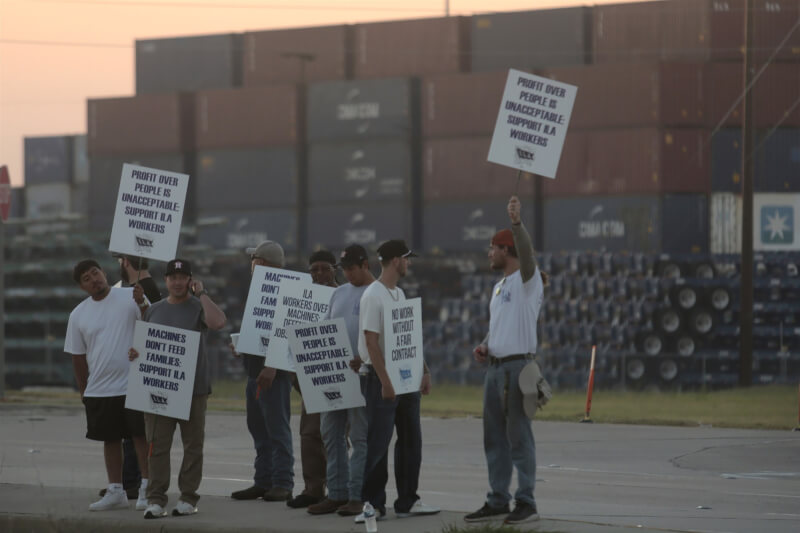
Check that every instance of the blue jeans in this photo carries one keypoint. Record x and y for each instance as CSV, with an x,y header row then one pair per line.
x,y
345,477
383,416
507,435
268,422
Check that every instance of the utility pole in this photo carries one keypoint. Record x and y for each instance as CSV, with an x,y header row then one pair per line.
x,y
748,168
446,8
302,153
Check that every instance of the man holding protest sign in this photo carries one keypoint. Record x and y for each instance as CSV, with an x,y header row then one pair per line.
x,y
345,477
99,333
385,410
321,265
132,271
267,405
510,345
188,307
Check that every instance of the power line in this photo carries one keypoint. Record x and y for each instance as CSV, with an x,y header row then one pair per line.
x,y
302,7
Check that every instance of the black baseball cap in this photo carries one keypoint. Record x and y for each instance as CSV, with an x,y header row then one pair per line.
x,y
181,266
394,248
355,254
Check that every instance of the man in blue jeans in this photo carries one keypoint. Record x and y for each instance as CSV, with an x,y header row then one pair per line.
x,y
267,397
510,345
345,475
385,410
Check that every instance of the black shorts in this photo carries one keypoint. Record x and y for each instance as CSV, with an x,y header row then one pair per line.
x,y
108,420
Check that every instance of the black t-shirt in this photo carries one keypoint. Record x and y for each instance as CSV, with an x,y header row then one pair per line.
x,y
150,289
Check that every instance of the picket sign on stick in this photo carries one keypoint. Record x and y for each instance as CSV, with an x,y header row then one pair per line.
x,y
532,123
149,211
590,388
402,344
259,311
322,355
300,302
161,379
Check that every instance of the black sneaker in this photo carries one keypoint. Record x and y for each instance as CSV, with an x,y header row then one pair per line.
x,y
523,512
487,513
250,493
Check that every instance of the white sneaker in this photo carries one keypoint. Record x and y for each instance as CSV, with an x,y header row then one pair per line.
x,y
154,511
111,500
184,509
359,519
418,509
141,501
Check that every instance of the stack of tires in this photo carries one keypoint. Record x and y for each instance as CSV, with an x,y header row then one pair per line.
x,y
690,308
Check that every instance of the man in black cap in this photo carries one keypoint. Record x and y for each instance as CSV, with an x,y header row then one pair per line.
x,y
345,476
322,266
187,306
268,414
385,410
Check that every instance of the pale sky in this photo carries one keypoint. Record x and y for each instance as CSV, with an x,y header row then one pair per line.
x,y
54,54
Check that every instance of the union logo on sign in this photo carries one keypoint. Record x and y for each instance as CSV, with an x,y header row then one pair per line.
x,y
777,224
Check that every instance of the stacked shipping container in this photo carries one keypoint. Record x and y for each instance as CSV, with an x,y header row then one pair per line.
x,y
362,161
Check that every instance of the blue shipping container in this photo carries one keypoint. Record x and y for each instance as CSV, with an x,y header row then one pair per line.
x,y
48,160
242,228
334,227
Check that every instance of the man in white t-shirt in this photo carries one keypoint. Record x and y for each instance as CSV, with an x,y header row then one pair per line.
x,y
99,334
511,344
385,410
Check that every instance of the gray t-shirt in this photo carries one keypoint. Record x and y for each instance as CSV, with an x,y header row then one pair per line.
x,y
186,315
345,303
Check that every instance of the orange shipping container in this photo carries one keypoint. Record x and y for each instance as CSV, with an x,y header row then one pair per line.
x,y
148,123
624,95
411,47
459,105
296,55
638,161
250,117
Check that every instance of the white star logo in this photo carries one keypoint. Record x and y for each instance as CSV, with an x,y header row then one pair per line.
x,y
776,225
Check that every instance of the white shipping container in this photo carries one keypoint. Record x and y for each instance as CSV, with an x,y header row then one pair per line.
x,y
48,200
776,222
726,223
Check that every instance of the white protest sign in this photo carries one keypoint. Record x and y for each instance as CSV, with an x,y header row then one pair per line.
x,y
402,344
161,379
532,123
259,311
322,355
147,221
300,302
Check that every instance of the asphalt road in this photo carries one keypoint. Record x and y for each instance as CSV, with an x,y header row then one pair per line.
x,y
591,477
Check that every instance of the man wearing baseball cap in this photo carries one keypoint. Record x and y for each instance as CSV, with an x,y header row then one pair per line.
x,y
187,306
345,476
385,410
510,345
267,409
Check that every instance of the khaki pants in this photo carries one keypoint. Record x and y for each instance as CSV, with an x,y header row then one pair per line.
x,y
159,431
312,451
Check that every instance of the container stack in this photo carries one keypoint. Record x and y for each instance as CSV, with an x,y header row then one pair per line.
x,y
56,180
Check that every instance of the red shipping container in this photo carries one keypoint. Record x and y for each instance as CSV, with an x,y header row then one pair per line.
x,y
774,95
459,105
273,56
148,123
249,117
695,30
411,47
639,161
457,169
627,95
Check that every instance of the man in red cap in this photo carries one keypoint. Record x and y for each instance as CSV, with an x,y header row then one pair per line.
x,y
511,343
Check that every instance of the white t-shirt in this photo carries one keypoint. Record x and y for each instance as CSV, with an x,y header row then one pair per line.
x,y
514,311
370,318
103,330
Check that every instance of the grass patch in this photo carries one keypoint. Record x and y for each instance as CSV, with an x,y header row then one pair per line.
x,y
757,407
